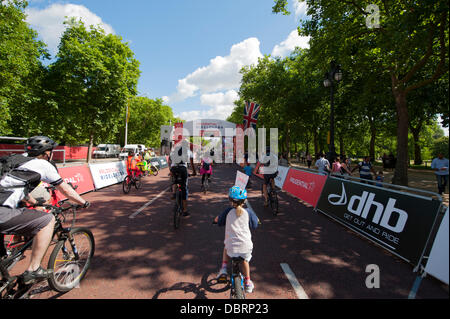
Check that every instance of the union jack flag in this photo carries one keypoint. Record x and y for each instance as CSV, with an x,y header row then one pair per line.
x,y
251,111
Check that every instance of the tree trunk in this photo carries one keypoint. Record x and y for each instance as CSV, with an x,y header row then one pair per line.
x,y
401,167
417,151
341,145
373,133
91,144
316,143
288,142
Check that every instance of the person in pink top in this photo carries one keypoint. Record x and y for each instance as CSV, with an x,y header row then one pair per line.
x,y
206,167
340,168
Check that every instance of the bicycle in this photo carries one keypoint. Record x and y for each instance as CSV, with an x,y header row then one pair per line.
x,y
237,290
205,185
131,180
178,209
69,260
14,241
272,197
151,169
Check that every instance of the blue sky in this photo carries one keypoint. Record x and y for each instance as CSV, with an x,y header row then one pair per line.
x,y
190,50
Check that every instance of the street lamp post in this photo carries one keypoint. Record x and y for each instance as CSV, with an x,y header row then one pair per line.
x,y
331,77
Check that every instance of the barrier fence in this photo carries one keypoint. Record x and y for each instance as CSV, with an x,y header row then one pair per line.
x,y
410,223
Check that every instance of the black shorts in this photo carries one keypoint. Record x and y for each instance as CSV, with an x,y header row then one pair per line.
x,y
25,222
180,176
268,177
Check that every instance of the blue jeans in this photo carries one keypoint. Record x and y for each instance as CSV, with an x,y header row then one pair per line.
x,y
442,181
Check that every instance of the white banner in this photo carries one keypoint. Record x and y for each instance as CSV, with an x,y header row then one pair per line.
x,y
282,172
241,180
437,265
106,174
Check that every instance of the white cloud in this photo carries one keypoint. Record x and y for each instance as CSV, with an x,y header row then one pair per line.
x,y
48,22
287,46
222,73
220,105
300,8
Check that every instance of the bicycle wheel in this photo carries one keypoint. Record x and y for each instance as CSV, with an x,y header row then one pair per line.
x,y
178,211
137,182
274,202
126,184
205,185
70,260
238,288
154,171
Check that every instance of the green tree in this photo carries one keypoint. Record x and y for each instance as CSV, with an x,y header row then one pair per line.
x,y
20,64
410,37
92,78
146,118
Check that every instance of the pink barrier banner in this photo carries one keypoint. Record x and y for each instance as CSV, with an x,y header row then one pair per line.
x,y
71,152
304,185
79,176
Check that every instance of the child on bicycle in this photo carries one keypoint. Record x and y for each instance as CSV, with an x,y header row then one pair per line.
x,y
206,168
238,239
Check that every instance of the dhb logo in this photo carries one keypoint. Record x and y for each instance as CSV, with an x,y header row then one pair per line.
x,y
388,216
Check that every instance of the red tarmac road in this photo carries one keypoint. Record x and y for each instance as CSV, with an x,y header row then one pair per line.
x,y
144,257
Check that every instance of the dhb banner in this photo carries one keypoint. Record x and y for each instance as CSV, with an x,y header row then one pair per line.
x,y
399,222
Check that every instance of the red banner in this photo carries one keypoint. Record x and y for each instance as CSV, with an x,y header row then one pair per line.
x,y
71,152
304,185
79,176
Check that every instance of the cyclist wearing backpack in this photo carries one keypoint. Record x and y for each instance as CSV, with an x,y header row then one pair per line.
x,y
15,186
178,162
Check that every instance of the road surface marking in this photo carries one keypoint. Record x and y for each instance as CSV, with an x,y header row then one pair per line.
x,y
148,203
301,294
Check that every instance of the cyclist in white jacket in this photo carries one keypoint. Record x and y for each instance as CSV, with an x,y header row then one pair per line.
x,y
238,238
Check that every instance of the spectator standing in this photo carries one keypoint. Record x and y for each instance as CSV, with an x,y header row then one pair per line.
x,y
340,168
323,165
283,160
380,179
365,169
440,166
309,160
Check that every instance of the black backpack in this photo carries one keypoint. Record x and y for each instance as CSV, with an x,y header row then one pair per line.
x,y
27,179
11,162
206,166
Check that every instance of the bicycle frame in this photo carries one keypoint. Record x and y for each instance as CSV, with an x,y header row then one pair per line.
x,y
236,275
8,282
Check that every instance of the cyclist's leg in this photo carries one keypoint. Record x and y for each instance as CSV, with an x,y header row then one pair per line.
x,y
266,196
184,187
31,223
225,261
203,178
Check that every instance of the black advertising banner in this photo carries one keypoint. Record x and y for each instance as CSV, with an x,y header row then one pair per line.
x,y
399,222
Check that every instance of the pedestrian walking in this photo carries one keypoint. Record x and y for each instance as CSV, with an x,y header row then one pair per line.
x,y
440,167
323,165
365,169
309,160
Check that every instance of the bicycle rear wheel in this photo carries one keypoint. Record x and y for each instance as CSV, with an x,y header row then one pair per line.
x,y
137,182
155,171
238,288
274,202
205,185
126,184
178,211
70,259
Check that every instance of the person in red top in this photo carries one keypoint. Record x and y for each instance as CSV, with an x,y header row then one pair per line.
x,y
132,168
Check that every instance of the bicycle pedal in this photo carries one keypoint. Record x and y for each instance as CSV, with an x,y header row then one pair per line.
x,y
222,279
